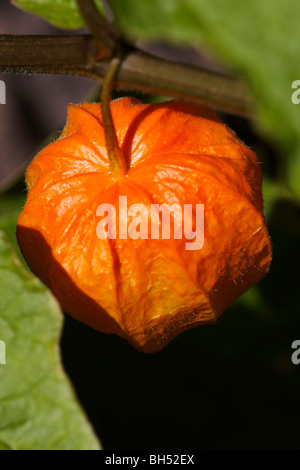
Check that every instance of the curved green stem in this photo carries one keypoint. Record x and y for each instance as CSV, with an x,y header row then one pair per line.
x,y
117,162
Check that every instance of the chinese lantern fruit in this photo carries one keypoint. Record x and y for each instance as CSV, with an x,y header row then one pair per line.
x,y
146,290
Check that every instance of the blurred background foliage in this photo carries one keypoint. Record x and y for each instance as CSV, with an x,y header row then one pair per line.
x,y
228,386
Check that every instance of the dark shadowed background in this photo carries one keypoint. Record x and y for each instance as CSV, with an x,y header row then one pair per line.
x,y
229,386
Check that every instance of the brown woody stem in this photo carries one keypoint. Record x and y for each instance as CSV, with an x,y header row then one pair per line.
x,y
79,55
117,161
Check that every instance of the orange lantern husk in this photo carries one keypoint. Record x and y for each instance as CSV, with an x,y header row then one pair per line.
x,y
145,290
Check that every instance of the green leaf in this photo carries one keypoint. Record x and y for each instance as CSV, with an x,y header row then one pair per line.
x,y
258,38
61,13
38,408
